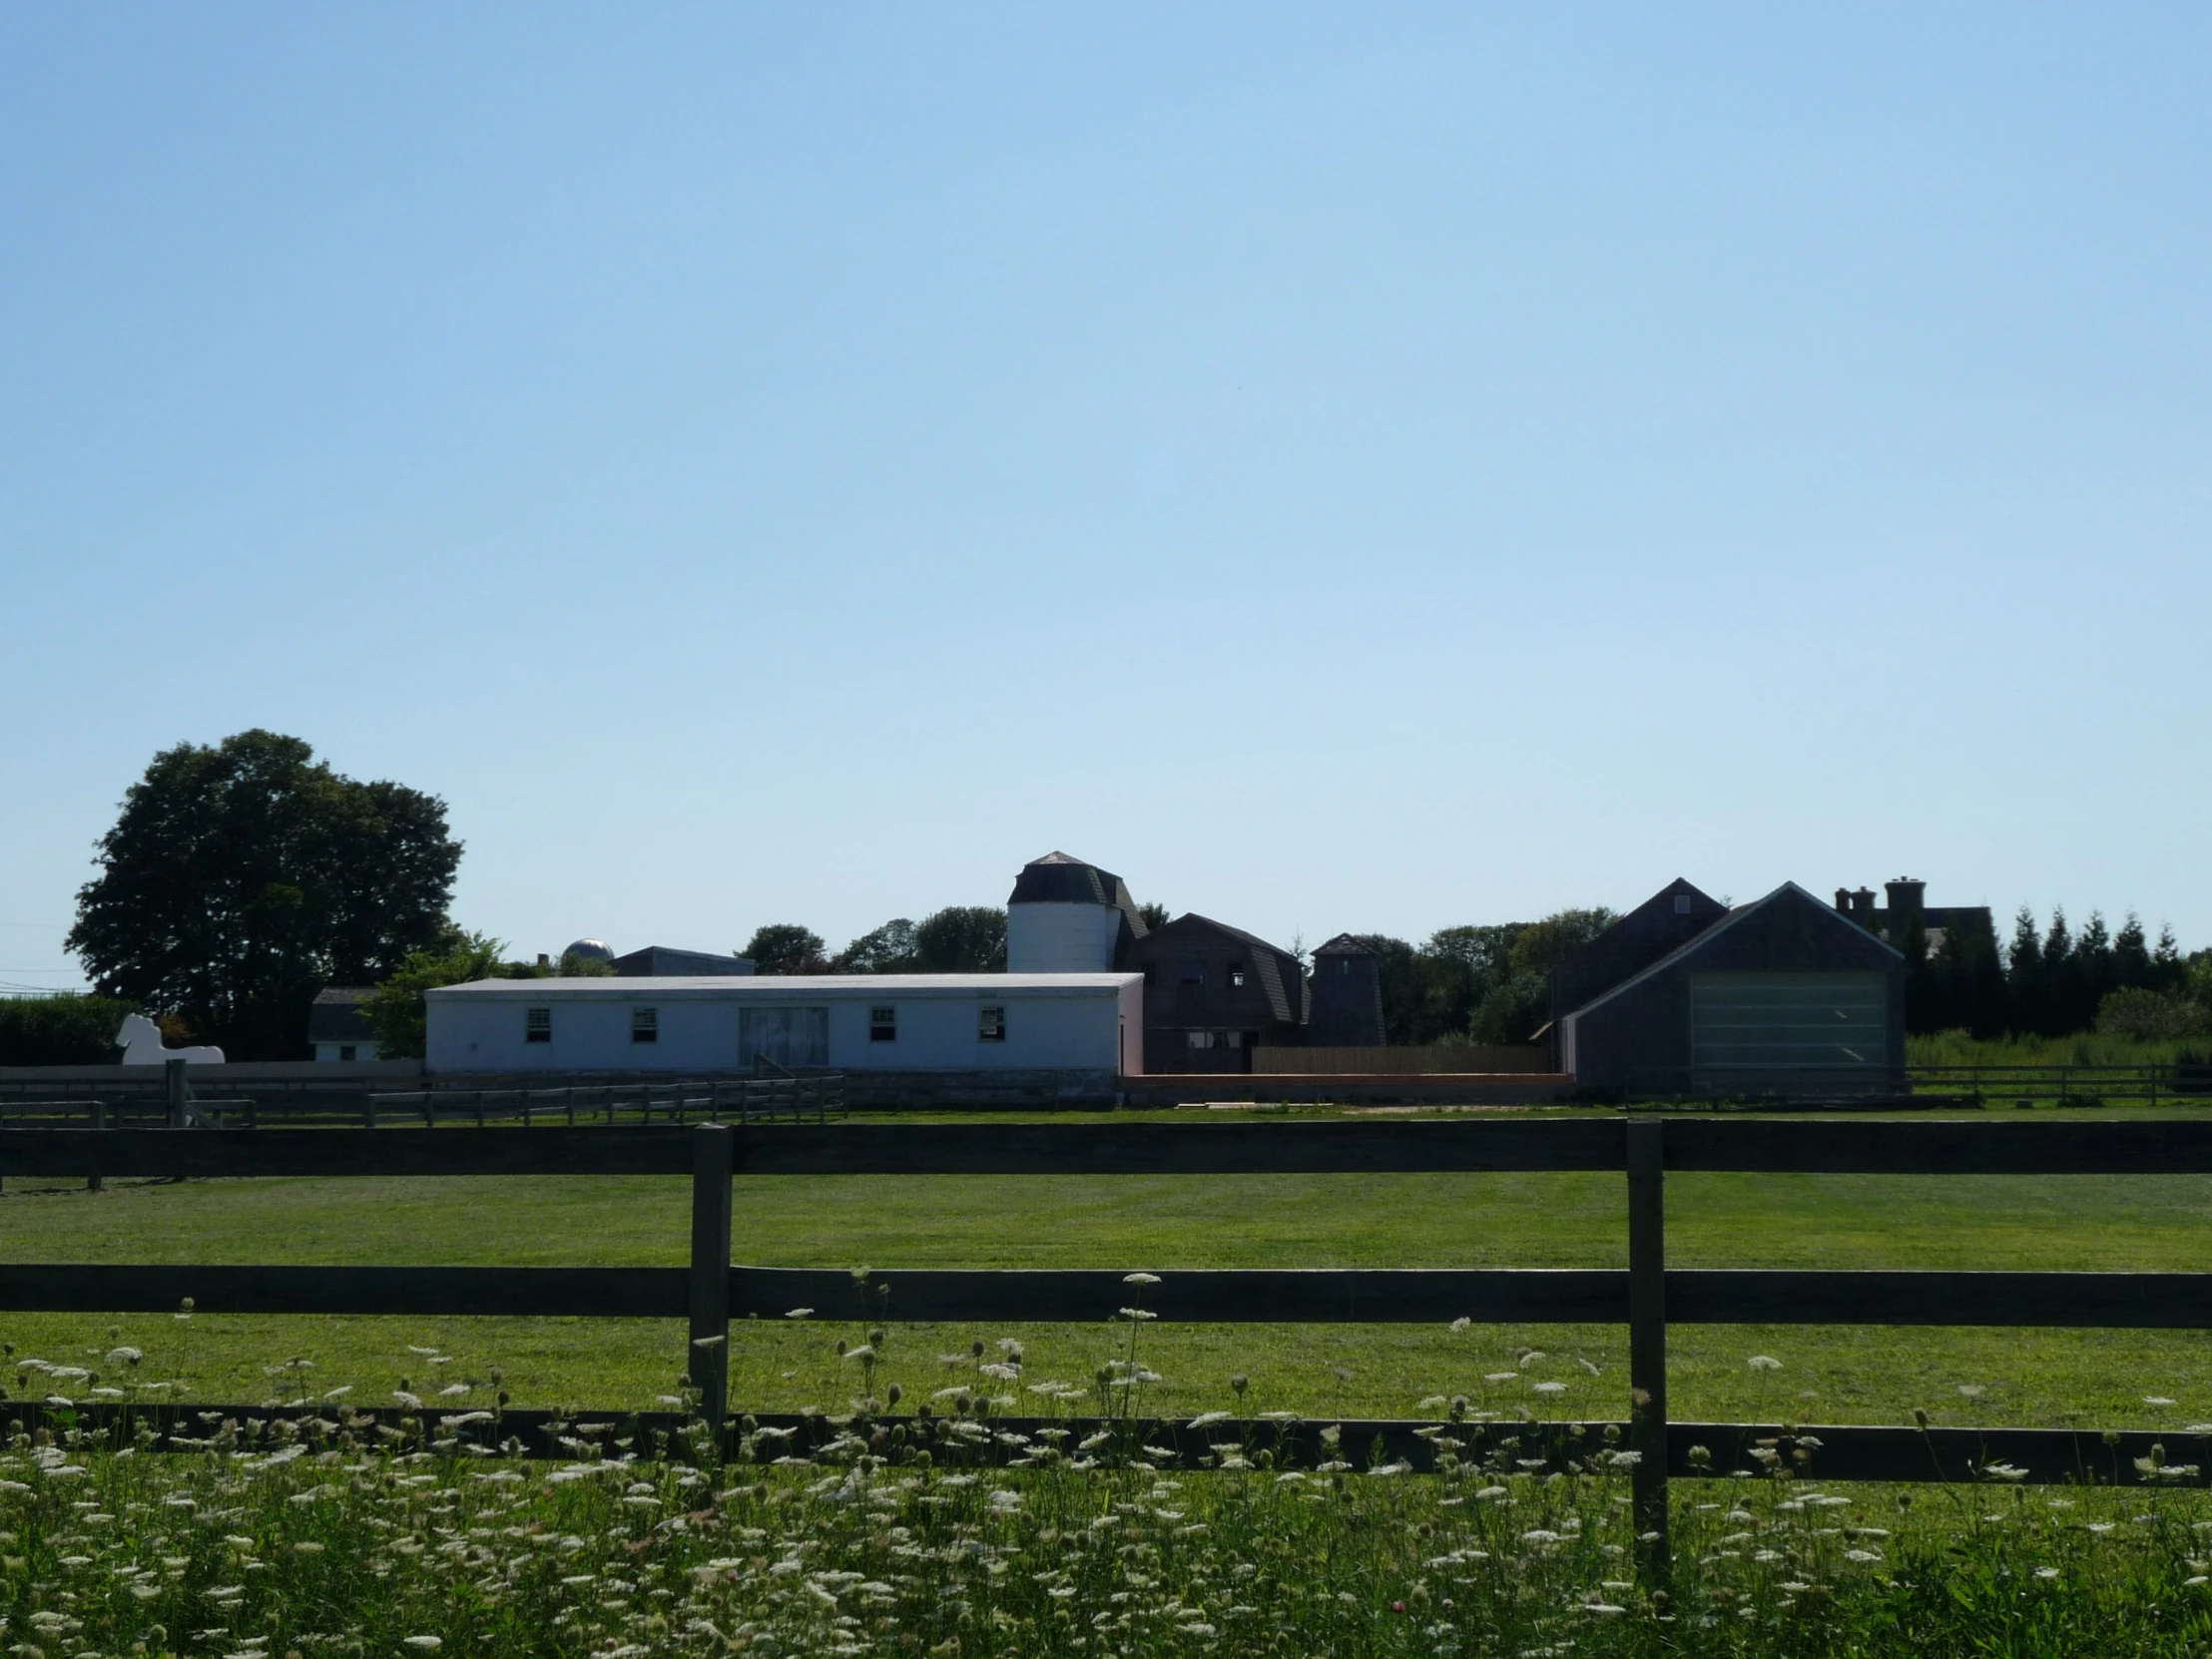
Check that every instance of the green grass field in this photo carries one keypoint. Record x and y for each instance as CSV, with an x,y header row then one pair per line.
x,y
1842,1375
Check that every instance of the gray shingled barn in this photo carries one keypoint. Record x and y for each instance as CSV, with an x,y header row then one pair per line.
x,y
1781,996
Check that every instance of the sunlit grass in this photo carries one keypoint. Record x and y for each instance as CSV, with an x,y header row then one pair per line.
x,y
1840,1374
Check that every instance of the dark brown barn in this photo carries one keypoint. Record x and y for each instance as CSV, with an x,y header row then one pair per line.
x,y
1213,993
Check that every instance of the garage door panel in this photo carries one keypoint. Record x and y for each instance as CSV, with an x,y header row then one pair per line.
x,y
1765,1022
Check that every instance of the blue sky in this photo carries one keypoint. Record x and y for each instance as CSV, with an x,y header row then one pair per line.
x,y
1362,468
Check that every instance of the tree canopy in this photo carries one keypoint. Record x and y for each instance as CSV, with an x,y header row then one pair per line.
x,y
1478,984
396,1007
889,949
786,947
960,938
241,878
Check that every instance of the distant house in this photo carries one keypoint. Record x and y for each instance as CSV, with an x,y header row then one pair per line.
x,y
1068,917
1783,996
1213,993
338,1028
1907,906
1346,995
658,961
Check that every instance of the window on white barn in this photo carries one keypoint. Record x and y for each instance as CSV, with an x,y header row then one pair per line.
x,y
537,1025
645,1025
883,1026
347,1051
990,1025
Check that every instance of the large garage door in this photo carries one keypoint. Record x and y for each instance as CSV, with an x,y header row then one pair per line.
x,y
1787,1031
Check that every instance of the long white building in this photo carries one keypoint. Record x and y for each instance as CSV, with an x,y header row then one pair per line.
x,y
1073,1024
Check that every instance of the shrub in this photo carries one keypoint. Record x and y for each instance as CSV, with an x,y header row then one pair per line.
x,y
61,1030
2149,1016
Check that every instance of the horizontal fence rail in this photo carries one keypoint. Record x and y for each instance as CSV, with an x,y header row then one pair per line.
x,y
2026,1085
711,1291
1218,1295
610,1439
1823,1147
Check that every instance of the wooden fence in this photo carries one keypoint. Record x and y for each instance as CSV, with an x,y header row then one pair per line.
x,y
2091,1086
816,1096
1412,1061
1647,1296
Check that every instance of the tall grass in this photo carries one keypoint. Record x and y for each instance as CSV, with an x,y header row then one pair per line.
x,y
2083,1048
332,1536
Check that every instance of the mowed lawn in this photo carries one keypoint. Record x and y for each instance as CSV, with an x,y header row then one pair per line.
x,y
1162,1224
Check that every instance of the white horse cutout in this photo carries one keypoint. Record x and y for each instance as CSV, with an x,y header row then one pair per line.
x,y
141,1042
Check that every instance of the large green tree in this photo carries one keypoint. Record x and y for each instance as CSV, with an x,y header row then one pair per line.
x,y
961,938
242,878
885,949
786,947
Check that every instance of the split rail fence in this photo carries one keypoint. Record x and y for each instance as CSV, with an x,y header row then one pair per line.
x,y
175,1102
1647,1296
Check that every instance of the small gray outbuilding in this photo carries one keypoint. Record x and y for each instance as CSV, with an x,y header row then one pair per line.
x,y
1781,996
1346,995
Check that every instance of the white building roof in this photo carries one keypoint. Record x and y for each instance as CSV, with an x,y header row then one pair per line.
x,y
789,987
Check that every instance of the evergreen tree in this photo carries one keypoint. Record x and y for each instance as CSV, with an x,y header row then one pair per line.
x,y
2168,971
2024,974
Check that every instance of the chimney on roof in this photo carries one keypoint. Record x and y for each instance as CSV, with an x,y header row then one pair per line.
x,y
1907,897
1842,900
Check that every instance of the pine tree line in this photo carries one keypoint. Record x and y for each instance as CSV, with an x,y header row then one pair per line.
x,y
2052,983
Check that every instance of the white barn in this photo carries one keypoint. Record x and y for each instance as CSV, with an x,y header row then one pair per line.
x,y
1089,1024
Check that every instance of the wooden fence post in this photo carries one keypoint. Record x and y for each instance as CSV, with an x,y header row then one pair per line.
x,y
711,1149
1647,1337
177,1091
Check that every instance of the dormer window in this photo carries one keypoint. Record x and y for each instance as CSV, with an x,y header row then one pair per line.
x,y
1237,975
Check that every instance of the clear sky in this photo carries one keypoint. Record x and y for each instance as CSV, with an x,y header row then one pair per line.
x,y
1341,467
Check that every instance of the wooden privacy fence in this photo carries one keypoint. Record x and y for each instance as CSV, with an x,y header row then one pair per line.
x,y
1647,1296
